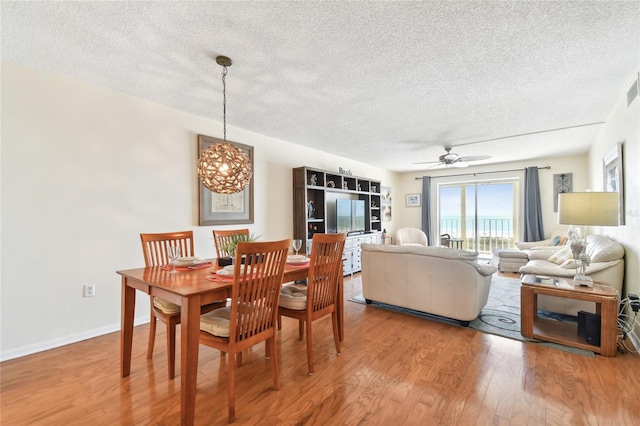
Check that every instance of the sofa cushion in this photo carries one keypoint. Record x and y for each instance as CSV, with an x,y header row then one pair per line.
x,y
602,249
561,256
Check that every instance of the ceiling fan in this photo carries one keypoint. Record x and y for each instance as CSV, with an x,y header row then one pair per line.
x,y
454,160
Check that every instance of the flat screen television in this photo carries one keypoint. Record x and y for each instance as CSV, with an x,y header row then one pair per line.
x,y
349,215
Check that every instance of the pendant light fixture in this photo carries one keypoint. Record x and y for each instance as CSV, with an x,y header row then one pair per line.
x,y
223,167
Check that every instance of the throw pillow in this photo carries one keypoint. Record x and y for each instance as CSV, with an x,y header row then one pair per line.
x,y
561,256
569,264
555,241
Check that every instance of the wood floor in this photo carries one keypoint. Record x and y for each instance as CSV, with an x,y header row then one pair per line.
x,y
394,369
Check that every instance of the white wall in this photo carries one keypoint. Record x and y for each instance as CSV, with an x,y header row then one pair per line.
x,y
623,125
85,170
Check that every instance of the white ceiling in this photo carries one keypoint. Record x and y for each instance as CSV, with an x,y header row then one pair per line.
x,y
385,83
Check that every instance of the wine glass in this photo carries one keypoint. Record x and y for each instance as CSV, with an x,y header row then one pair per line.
x,y
173,252
297,245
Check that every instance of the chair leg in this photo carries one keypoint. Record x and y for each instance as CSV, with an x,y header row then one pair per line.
x,y
231,372
271,343
300,329
152,333
309,348
279,322
239,359
336,335
171,348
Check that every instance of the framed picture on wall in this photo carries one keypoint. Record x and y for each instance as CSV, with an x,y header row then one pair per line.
x,y
413,200
225,209
613,174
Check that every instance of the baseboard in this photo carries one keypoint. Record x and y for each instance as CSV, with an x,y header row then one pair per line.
x,y
66,340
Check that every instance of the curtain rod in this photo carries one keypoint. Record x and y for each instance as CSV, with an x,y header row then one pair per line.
x,y
484,173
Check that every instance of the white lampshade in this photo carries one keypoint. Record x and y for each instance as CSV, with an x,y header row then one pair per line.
x,y
588,208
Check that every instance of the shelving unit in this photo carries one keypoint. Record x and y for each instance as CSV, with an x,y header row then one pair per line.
x,y
312,188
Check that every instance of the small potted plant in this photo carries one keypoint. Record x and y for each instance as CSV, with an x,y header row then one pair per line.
x,y
231,245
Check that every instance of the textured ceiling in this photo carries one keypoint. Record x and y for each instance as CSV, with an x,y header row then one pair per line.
x,y
385,83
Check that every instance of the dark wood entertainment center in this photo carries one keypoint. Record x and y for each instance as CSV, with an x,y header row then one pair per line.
x,y
314,194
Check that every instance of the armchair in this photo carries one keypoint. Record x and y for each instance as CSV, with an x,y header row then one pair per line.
x,y
411,236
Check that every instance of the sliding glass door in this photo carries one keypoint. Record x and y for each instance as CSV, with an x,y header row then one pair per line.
x,y
484,214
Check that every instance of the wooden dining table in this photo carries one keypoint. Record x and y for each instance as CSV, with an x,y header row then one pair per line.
x,y
190,289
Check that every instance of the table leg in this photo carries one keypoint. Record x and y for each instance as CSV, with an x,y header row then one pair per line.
x,y
528,311
190,340
126,324
609,326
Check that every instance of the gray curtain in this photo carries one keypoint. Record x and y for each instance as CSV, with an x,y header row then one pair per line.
x,y
533,230
426,207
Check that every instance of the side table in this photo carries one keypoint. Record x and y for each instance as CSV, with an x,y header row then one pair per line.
x,y
605,298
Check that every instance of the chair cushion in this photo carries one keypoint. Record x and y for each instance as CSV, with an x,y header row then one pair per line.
x,y
216,322
166,306
293,296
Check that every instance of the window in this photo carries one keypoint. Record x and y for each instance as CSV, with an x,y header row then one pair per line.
x,y
483,213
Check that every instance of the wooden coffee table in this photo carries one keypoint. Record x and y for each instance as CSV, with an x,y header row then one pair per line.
x,y
605,298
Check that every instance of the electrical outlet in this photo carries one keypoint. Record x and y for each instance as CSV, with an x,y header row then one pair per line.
x,y
89,290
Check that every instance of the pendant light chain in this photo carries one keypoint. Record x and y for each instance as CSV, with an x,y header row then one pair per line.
x,y
224,103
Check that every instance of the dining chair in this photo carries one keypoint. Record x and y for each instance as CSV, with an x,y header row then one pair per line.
x,y
445,240
222,237
319,297
252,314
154,248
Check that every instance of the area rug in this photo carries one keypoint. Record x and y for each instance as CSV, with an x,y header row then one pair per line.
x,y
500,316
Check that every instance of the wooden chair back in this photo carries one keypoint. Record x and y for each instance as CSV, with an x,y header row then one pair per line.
x,y
258,272
154,246
222,237
324,270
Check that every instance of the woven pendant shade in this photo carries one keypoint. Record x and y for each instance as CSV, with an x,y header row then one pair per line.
x,y
224,168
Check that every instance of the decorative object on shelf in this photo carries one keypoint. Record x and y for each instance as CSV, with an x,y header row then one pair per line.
x,y
225,209
373,188
223,167
331,184
613,173
311,209
413,200
344,172
385,202
359,187
562,182
313,180
345,185
374,217
586,209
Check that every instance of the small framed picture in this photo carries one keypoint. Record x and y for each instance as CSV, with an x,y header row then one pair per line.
x,y
413,200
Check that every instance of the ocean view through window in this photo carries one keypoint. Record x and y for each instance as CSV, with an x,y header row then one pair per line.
x,y
482,213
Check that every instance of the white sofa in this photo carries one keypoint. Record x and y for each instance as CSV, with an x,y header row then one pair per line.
x,y
607,266
439,281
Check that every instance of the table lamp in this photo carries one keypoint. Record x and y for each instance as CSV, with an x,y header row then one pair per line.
x,y
587,209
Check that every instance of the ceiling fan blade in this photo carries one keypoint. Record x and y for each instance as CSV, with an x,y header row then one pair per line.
x,y
474,158
460,164
427,162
